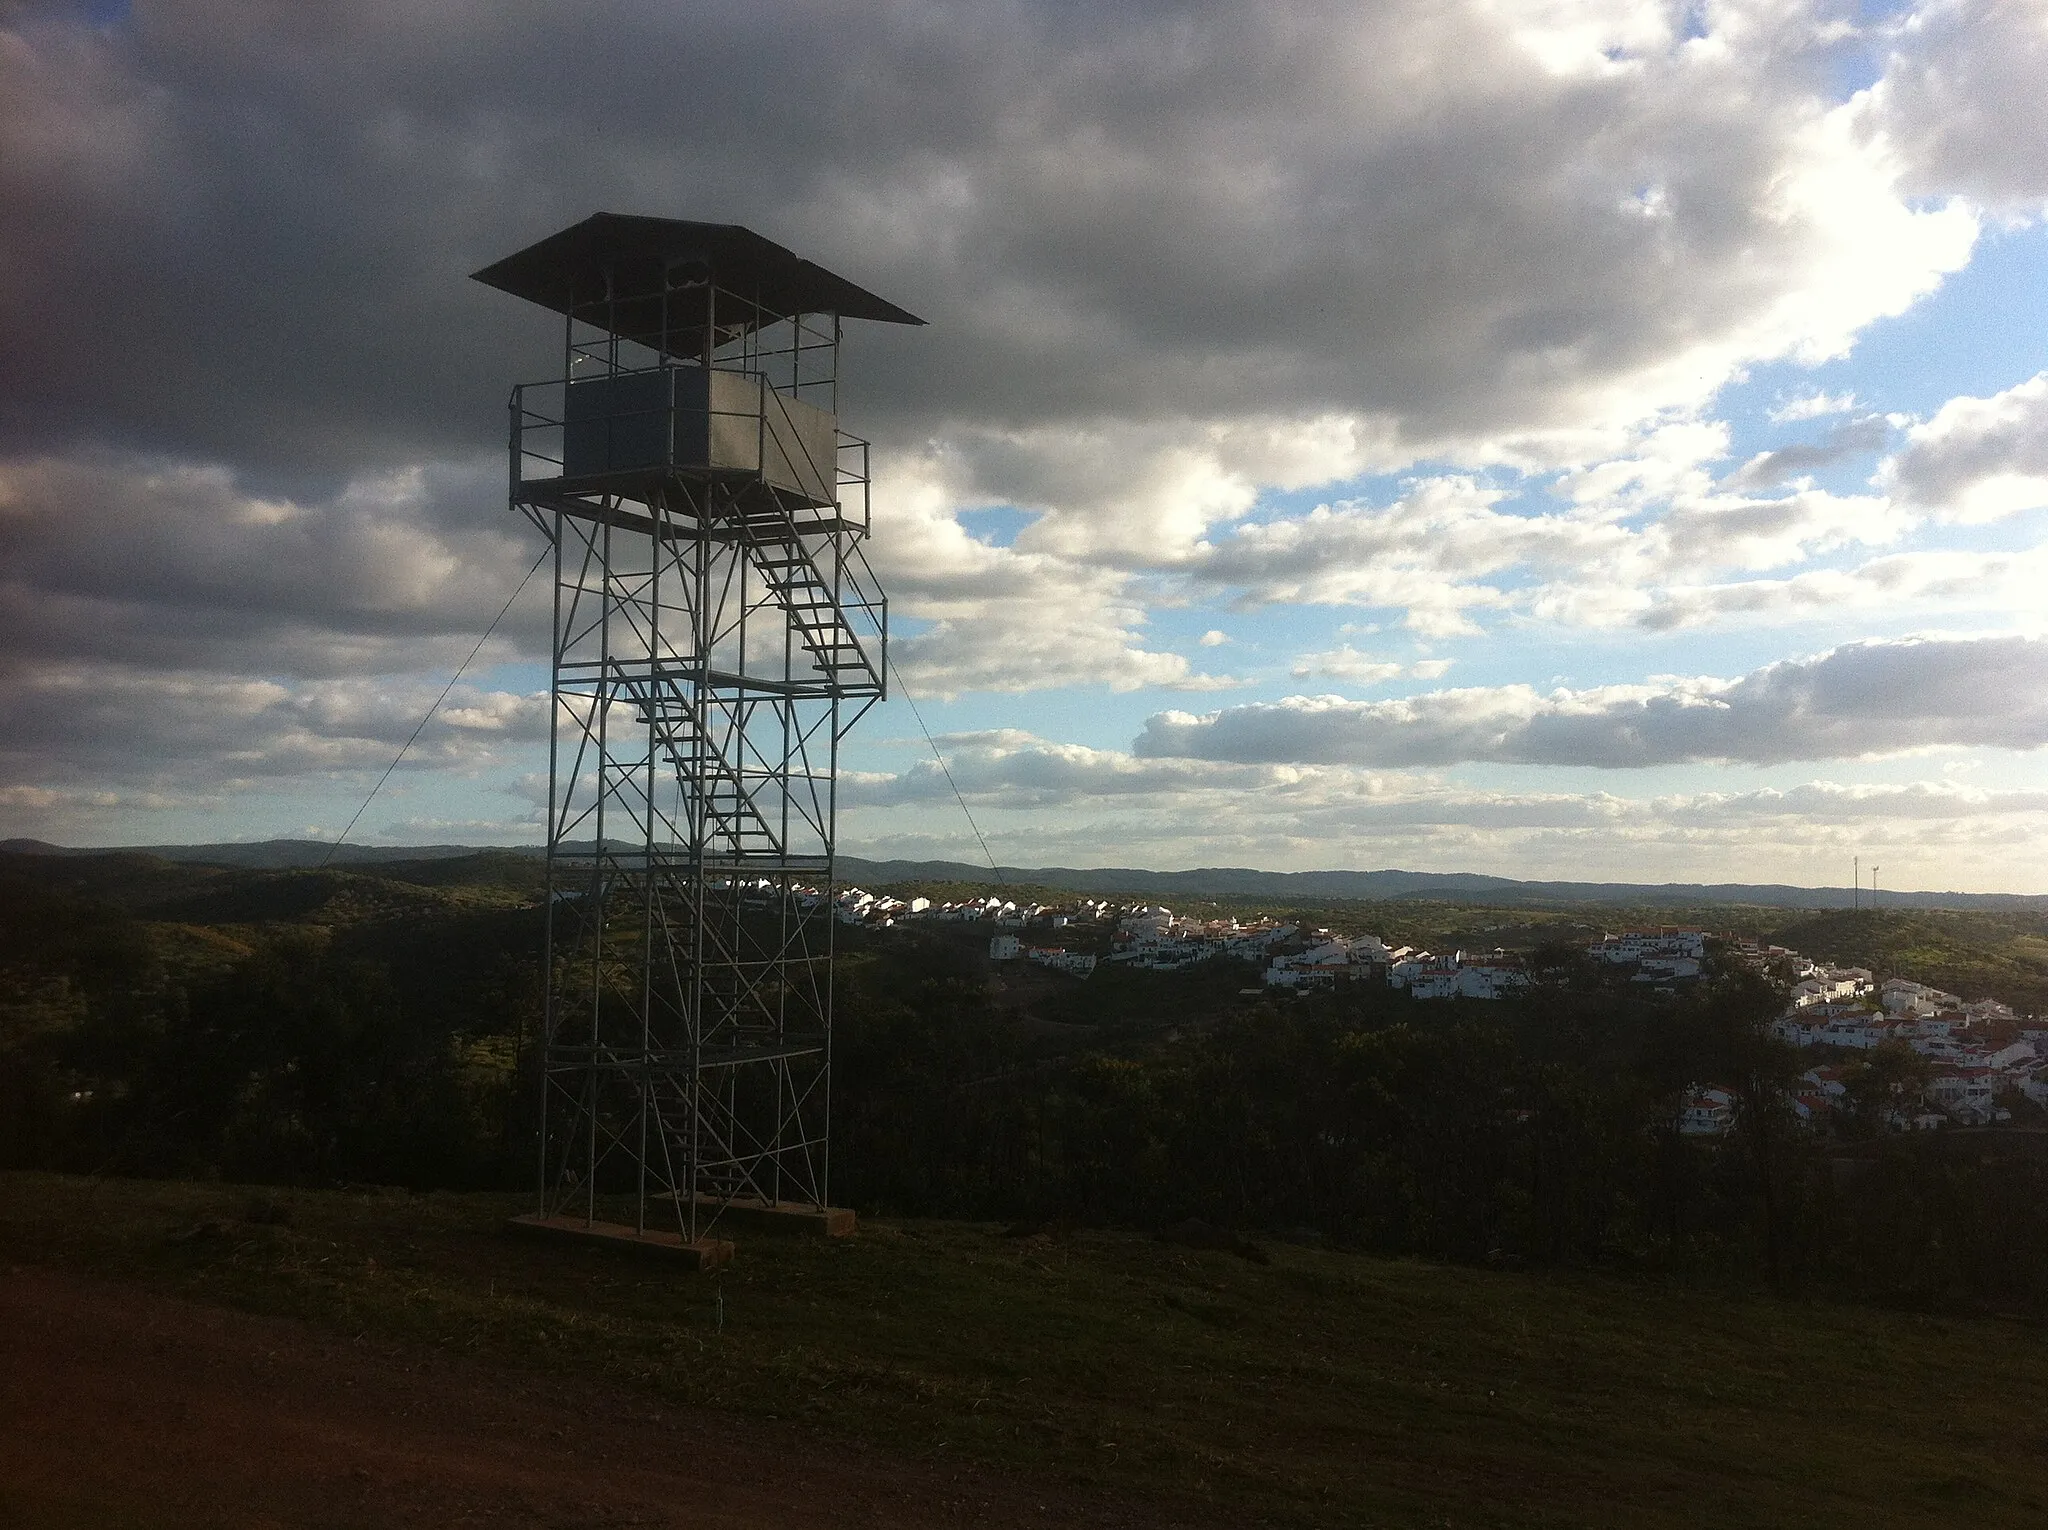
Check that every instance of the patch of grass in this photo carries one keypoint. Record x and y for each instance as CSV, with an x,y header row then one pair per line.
x,y
1320,1389
192,949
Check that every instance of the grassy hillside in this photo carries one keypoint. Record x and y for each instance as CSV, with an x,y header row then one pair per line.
x,y
1976,956
1316,1389
153,888
2004,955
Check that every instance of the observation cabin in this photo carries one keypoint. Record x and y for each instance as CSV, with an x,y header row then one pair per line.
x,y
699,352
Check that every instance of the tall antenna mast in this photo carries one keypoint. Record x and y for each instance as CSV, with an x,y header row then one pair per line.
x,y
717,631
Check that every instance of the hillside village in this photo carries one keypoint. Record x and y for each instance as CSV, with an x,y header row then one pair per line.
x,y
1975,1056
1297,958
1973,1060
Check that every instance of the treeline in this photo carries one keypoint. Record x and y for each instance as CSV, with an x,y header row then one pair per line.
x,y
1543,1132
385,1052
399,1050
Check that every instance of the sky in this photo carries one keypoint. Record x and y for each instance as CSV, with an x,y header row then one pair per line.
x,y
1549,438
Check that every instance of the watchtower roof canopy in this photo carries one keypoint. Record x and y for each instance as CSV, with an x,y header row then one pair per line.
x,y
578,270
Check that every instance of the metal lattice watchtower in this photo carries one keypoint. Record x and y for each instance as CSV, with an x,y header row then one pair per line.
x,y
716,632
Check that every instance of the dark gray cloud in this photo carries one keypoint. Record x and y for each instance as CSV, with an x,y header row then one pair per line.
x,y
162,564
201,732
1962,96
241,228
250,403
1860,699
1768,469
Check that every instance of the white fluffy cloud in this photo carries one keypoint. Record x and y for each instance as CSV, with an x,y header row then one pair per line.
x,y
1860,699
1812,406
1347,663
1978,459
1039,802
1006,618
1451,549
1901,582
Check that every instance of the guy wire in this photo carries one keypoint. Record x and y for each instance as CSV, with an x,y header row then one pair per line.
x,y
946,770
452,679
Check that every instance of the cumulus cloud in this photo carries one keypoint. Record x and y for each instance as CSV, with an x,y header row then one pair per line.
x,y
1824,802
1019,770
1978,459
1013,770
1426,554
1451,548
1812,406
1039,801
195,732
1898,582
1348,663
1961,97
1006,618
1338,807
1857,700
1768,469
151,562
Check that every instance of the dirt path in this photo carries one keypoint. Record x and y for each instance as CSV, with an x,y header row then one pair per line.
x,y
119,1407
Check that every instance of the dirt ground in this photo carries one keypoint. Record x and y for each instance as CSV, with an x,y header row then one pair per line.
x,y
120,1407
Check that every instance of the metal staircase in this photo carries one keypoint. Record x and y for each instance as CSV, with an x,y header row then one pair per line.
x,y
821,621
732,817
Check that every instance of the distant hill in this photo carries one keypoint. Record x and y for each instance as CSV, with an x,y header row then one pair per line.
x,y
263,855
1205,882
1380,886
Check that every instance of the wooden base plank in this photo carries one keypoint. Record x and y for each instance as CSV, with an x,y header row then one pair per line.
x,y
703,1254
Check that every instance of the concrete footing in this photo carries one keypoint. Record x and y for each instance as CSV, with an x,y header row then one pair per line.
x,y
703,1254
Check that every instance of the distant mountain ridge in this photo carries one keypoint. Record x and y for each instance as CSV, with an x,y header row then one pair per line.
x,y
1204,882
269,854
1380,886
